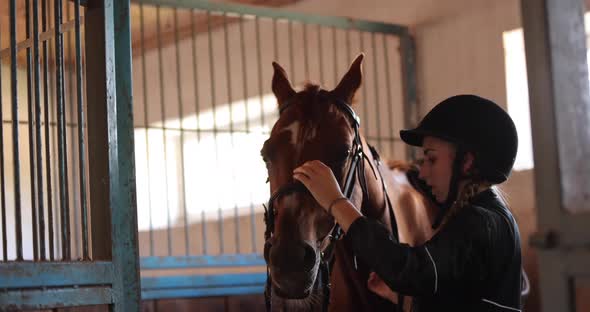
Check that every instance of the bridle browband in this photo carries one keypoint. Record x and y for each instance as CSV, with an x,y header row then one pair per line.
x,y
326,244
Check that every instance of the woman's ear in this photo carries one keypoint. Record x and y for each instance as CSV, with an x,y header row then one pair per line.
x,y
468,164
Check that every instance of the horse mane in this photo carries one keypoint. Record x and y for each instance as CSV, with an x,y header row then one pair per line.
x,y
401,165
311,87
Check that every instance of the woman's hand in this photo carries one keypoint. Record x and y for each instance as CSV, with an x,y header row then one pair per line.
x,y
378,286
320,181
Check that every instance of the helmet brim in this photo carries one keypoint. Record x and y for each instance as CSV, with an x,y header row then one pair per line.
x,y
413,137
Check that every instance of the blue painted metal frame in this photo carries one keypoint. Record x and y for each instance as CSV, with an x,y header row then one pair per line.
x,y
54,274
239,283
200,292
202,285
182,262
329,21
45,285
17,300
123,201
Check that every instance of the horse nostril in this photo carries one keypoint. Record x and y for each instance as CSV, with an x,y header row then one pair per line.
x,y
291,258
309,257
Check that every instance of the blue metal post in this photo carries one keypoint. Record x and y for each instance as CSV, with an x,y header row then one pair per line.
x,y
112,170
123,190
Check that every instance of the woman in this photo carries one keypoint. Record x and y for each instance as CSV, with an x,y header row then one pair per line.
x,y
473,261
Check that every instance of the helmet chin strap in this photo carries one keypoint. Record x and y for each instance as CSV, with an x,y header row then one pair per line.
x,y
456,176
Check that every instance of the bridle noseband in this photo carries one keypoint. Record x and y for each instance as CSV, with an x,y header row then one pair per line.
x,y
326,245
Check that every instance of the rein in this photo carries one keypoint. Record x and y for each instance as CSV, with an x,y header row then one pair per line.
x,y
326,245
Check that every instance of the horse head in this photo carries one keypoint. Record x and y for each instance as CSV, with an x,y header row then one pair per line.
x,y
317,124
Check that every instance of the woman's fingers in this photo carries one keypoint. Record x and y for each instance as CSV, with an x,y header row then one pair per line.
x,y
319,180
301,176
312,168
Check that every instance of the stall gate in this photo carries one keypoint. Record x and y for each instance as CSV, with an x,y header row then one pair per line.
x,y
68,230
203,108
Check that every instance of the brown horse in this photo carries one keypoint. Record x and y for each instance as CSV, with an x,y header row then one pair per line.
x,y
320,124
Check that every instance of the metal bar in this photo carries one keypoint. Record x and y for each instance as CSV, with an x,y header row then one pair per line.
x,y
376,85
197,112
146,121
291,56
247,112
45,23
408,55
100,106
305,56
335,56
259,62
26,122
61,135
30,124
70,79
276,40
231,122
321,54
203,281
163,116
123,190
56,298
231,126
81,133
348,56
15,132
181,114
75,125
38,140
275,13
214,110
201,292
2,169
55,274
225,260
388,93
54,146
201,130
46,35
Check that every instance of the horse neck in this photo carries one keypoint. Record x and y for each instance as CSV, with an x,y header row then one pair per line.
x,y
374,205
349,284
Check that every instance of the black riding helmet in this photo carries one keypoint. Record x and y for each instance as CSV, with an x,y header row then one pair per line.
x,y
475,125
479,125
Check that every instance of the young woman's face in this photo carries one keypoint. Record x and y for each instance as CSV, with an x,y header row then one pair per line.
x,y
437,169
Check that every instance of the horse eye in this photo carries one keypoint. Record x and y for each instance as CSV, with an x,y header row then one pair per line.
x,y
343,154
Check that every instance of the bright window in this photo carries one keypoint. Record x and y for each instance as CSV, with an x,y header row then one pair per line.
x,y
223,172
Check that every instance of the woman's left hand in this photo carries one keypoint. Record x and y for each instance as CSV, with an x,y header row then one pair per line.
x,y
320,181
378,286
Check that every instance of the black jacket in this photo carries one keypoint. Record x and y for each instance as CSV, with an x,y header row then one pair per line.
x,y
472,264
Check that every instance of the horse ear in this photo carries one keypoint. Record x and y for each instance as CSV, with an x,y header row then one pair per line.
x,y
351,81
281,86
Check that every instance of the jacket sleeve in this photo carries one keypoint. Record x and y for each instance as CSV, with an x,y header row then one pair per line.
x,y
452,260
